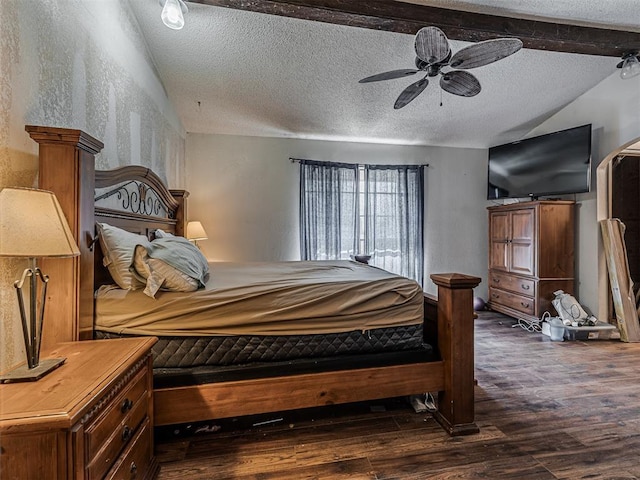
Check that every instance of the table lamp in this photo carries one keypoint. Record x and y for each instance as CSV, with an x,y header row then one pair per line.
x,y
33,225
195,232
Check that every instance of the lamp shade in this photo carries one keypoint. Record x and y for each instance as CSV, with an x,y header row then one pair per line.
x,y
195,231
32,224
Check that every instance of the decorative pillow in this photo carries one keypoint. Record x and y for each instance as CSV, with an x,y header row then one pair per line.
x,y
118,247
182,255
160,275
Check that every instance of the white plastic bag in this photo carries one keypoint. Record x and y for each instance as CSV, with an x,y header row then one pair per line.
x,y
570,311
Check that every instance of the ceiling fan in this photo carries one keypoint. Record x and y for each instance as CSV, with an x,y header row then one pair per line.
x,y
433,54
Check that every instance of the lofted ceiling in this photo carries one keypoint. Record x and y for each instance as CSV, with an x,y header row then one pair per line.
x,y
234,69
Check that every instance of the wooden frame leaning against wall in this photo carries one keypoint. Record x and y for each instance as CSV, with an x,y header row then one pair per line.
x,y
604,194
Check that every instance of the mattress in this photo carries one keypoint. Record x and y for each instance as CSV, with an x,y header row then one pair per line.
x,y
268,299
187,360
178,352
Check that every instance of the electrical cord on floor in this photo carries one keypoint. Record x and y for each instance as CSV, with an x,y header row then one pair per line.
x,y
528,325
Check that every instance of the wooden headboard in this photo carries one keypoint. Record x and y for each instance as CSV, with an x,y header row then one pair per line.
x,y
135,199
132,197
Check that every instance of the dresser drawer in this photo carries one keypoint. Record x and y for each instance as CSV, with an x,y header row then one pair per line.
x,y
121,437
520,303
136,461
112,431
523,286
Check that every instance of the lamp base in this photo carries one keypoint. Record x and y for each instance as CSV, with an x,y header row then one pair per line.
x,y
25,374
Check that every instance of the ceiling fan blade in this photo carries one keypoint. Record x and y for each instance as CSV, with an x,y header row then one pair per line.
x,y
389,75
460,83
411,92
483,53
432,45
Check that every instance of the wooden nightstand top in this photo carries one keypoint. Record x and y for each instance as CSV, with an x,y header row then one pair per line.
x,y
62,397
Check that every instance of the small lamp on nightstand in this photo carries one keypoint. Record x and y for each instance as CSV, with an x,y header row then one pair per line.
x,y
33,225
195,232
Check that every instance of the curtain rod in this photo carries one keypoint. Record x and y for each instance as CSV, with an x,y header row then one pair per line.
x,y
298,160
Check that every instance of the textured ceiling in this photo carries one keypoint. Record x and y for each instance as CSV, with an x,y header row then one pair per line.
x,y
244,73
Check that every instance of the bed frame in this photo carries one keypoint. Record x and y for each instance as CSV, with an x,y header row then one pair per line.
x,y
67,167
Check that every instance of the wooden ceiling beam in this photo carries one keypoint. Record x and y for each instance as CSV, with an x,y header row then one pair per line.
x,y
400,17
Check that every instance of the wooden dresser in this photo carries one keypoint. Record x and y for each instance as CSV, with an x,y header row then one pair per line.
x,y
91,418
531,255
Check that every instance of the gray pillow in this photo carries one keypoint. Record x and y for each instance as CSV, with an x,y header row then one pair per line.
x,y
159,275
182,255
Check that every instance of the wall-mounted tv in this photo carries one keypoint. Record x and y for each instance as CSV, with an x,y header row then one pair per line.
x,y
557,163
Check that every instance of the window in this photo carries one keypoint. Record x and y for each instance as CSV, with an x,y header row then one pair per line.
x,y
372,209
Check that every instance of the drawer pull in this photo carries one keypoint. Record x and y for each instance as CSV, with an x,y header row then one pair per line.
x,y
525,305
495,295
127,404
126,433
133,469
496,280
525,287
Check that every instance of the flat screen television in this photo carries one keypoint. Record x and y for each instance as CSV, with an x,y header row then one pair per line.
x,y
557,163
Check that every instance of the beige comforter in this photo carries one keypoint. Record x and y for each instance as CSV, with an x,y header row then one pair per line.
x,y
277,298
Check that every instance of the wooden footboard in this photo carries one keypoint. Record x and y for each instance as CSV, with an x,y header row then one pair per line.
x,y
246,397
448,326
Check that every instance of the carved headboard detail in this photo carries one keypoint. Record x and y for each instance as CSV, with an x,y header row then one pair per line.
x,y
134,192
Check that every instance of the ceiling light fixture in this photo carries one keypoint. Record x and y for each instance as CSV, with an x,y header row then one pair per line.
x,y
630,65
173,13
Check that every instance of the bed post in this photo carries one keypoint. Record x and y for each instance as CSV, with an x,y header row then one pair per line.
x,y
455,341
66,167
182,216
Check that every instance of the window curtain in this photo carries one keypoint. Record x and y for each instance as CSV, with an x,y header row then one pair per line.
x,y
394,216
328,210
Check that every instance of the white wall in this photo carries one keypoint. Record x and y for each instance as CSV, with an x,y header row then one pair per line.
x,y
613,108
245,192
79,64
457,234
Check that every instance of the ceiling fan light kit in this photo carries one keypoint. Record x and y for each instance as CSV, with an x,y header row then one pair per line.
x,y
173,13
434,57
629,66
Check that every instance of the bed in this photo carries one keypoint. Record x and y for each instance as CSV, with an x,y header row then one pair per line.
x,y
431,354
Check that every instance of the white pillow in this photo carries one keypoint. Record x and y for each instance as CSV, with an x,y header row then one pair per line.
x,y
118,247
160,275
162,234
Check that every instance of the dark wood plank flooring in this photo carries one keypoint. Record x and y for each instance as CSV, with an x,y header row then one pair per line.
x,y
546,410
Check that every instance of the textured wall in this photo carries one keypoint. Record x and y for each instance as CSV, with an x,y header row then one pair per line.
x,y
77,64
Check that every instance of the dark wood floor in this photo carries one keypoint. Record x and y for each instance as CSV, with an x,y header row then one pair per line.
x,y
546,410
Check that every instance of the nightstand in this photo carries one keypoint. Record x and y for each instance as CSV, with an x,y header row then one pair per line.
x,y
91,418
